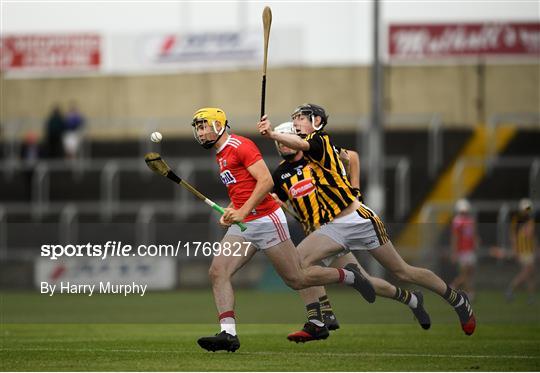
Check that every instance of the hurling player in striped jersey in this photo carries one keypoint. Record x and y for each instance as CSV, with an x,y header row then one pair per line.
x,y
293,184
352,225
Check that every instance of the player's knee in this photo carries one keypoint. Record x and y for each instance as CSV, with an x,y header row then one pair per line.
x,y
215,273
294,282
302,252
306,260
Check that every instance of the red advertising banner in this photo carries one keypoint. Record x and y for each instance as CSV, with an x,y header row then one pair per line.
x,y
53,52
467,39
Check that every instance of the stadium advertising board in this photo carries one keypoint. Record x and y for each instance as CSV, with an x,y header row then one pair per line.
x,y
463,40
51,52
157,273
206,47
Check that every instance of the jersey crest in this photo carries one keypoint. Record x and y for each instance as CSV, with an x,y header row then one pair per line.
x,y
227,177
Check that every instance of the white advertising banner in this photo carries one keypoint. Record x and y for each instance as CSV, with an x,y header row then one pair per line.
x,y
224,46
143,53
205,51
158,273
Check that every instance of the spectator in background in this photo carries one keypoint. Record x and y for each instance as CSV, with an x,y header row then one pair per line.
x,y
73,131
54,130
30,155
522,238
30,149
464,242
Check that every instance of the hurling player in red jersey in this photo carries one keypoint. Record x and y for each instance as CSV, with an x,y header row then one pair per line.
x,y
464,242
248,183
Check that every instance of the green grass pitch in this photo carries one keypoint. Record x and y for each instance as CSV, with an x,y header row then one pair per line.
x,y
158,332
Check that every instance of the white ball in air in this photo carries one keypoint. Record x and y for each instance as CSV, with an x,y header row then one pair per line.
x,y
156,137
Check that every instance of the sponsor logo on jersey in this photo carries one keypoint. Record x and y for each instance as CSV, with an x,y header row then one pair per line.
x,y
227,178
286,175
302,188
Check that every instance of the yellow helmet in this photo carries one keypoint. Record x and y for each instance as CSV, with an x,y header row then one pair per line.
x,y
211,116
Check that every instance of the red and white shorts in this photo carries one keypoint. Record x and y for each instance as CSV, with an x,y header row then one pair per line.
x,y
264,232
466,258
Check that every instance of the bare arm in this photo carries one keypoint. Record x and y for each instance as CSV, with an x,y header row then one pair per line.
x,y
354,167
292,141
289,140
264,185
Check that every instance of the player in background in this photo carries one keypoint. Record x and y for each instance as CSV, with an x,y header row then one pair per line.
x,y
352,225
293,184
248,183
464,242
523,241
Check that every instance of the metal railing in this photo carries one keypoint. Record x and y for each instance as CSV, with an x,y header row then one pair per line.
x,y
432,120
533,163
534,179
3,234
402,184
68,224
109,203
402,188
109,181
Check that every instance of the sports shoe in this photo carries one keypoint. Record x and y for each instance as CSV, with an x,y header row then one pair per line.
x,y
310,332
330,321
419,312
466,315
221,341
361,283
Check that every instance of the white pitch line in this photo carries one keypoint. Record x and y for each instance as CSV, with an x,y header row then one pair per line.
x,y
318,353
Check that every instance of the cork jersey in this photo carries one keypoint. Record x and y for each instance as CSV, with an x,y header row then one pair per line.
x,y
234,157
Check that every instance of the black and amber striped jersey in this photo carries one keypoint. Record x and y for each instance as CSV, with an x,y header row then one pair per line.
x,y
334,192
523,232
293,182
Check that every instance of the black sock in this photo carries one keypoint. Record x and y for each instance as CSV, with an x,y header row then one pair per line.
x,y
402,295
314,311
451,296
326,307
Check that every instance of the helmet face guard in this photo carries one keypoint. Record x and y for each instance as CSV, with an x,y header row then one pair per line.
x,y
311,111
209,116
208,144
287,128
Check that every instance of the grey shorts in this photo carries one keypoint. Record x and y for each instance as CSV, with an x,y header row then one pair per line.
x,y
264,232
360,230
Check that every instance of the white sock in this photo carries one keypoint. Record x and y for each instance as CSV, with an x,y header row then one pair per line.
x,y
228,324
413,303
348,277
